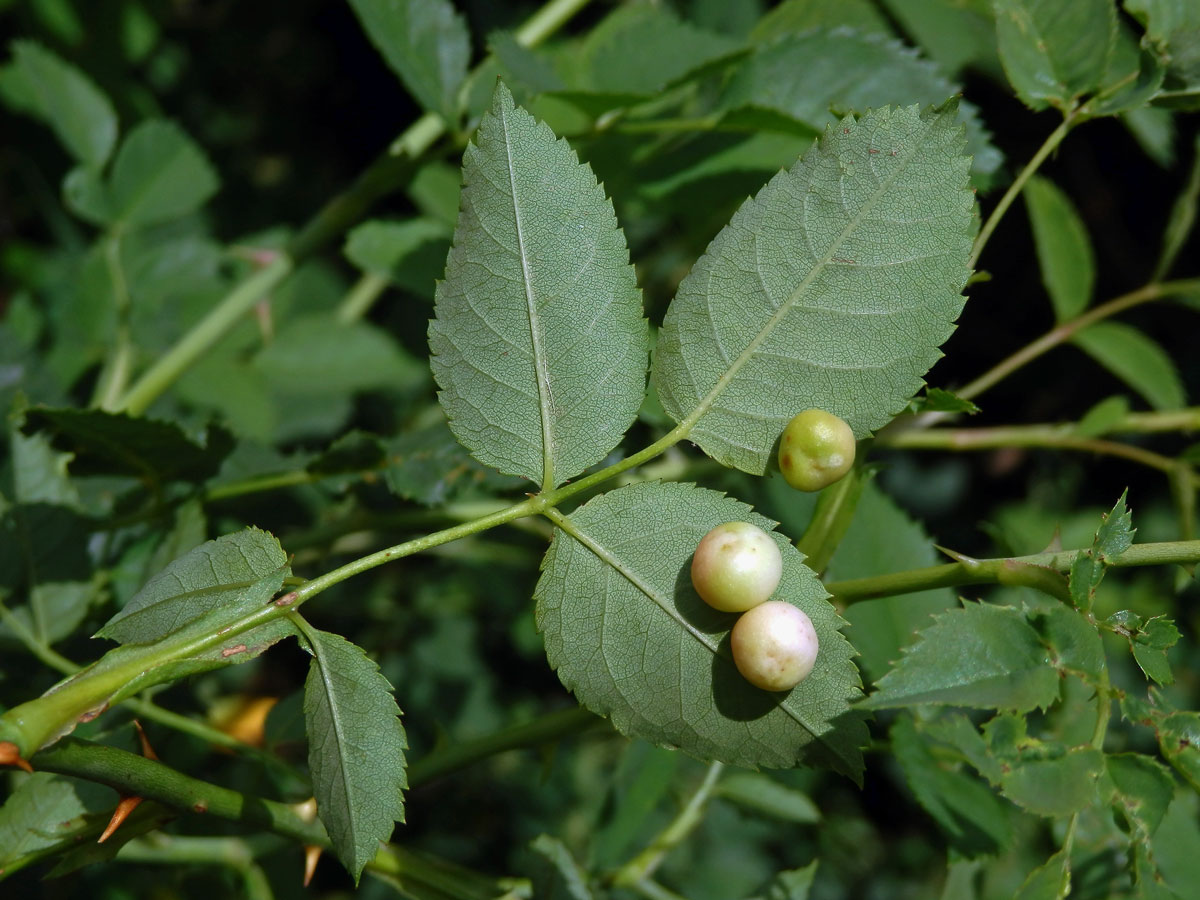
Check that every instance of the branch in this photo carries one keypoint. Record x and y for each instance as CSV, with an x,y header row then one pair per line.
x,y
990,571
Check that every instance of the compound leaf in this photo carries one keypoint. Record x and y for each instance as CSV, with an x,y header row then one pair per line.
x,y
833,287
356,748
981,656
539,345
629,636
426,43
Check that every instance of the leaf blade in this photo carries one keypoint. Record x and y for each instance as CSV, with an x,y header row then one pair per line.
x,y
800,319
348,702
1063,249
538,343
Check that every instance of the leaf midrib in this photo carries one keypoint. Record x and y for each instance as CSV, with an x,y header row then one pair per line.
x,y
537,338
788,305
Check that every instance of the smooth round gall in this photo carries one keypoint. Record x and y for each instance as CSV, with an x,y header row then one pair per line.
x,y
815,450
774,646
736,566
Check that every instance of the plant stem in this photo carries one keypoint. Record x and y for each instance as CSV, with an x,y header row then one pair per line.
x,y
133,775
1058,436
987,571
1048,146
641,867
833,515
362,296
1064,332
542,730
227,313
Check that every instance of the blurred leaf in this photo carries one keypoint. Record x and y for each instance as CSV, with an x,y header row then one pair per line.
x,y
1054,52
538,345
116,443
1064,250
1049,881
1183,210
883,539
792,884
640,48
1057,786
629,636
412,253
1154,129
1144,789
431,467
1173,27
763,794
314,354
798,16
1103,417
975,820
355,748
426,43
980,656
236,572
643,779
68,101
786,309
159,174
1176,844
940,400
85,193
815,76
955,33
558,876
1136,359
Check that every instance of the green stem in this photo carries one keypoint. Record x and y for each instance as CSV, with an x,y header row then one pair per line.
x,y
175,850
119,364
830,520
1056,436
1048,146
133,775
1062,333
362,297
542,730
639,869
193,345
988,571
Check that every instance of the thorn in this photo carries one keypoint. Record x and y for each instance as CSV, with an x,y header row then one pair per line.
x,y
120,814
11,756
147,750
307,810
312,853
1055,544
969,561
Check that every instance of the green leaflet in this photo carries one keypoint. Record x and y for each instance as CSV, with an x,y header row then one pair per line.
x,y
981,656
356,748
630,637
221,574
804,76
1136,359
68,101
539,345
425,42
1064,249
1054,52
833,288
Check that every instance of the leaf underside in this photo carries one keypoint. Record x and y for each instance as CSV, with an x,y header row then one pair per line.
x,y
629,636
833,287
538,345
